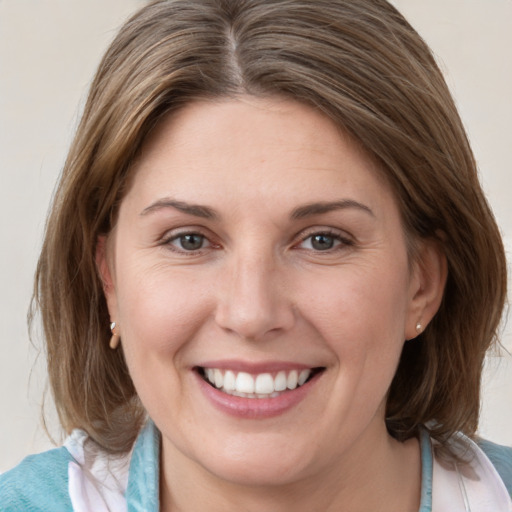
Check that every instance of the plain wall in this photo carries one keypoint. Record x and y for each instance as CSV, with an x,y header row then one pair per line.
x,y
48,53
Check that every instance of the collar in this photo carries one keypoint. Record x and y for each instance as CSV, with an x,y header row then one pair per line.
x,y
142,493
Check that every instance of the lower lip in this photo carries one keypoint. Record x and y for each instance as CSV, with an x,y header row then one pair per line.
x,y
256,408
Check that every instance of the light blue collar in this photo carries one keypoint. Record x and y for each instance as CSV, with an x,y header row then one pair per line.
x,y
427,465
142,494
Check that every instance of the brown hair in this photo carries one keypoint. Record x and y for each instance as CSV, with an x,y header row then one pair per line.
x,y
357,61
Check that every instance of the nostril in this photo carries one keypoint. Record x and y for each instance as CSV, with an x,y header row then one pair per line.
x,y
253,323
252,302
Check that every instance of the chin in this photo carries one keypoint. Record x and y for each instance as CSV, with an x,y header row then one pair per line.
x,y
255,465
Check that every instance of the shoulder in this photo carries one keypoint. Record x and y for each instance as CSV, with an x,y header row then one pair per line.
x,y
38,483
82,476
501,458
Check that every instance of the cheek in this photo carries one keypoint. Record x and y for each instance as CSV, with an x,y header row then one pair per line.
x,y
361,315
358,301
159,309
160,315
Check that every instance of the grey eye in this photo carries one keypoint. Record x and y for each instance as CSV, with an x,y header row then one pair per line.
x,y
322,242
190,242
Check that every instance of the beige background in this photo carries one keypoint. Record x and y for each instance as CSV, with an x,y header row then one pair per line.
x,y
48,53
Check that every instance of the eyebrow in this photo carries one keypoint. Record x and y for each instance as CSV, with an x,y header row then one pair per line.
x,y
325,207
301,212
191,209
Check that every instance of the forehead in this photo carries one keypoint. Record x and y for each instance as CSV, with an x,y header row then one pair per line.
x,y
252,146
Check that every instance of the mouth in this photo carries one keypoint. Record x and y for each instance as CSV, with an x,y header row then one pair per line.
x,y
257,386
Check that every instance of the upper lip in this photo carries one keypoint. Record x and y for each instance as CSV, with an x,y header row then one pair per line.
x,y
255,367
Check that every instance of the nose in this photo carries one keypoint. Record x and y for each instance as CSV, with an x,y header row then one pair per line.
x,y
253,300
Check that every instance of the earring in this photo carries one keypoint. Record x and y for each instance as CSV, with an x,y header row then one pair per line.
x,y
419,328
115,339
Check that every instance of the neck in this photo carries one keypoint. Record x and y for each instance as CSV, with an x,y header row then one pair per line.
x,y
378,474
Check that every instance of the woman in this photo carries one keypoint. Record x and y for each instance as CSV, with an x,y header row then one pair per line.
x,y
275,207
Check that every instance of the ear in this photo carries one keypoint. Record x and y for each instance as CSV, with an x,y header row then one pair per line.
x,y
428,280
104,266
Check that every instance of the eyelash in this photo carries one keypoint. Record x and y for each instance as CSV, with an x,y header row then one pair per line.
x,y
339,241
175,237
342,241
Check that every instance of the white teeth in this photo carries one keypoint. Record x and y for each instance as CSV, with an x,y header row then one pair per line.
x,y
303,377
244,383
280,381
293,377
229,381
263,385
219,378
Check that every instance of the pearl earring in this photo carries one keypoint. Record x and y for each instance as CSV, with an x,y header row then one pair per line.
x,y
115,339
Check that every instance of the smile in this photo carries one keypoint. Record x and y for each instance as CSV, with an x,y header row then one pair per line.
x,y
258,386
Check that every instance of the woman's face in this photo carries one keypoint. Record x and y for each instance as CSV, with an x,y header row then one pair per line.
x,y
258,246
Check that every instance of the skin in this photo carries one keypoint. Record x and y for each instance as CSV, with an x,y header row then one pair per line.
x,y
259,290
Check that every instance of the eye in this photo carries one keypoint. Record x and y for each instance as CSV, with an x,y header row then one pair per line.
x,y
188,242
324,241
